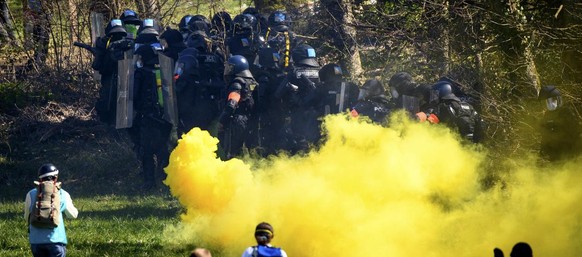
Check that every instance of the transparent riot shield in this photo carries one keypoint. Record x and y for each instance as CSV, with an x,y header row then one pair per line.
x,y
410,104
341,98
168,89
125,69
97,30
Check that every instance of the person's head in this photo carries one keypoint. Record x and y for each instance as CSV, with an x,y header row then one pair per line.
x,y
330,72
237,66
171,37
401,83
442,90
200,252
200,42
552,96
115,30
371,88
521,249
131,22
244,23
304,55
222,21
48,172
279,21
264,233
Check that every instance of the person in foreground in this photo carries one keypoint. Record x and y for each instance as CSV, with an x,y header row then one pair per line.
x,y
43,209
264,234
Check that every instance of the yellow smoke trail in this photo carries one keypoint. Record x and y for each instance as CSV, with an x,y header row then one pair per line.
x,y
408,190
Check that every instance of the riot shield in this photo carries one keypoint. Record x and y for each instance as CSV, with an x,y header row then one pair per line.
x,y
125,69
97,26
410,104
168,89
341,98
97,30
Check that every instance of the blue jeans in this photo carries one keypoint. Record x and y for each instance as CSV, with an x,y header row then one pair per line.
x,y
49,250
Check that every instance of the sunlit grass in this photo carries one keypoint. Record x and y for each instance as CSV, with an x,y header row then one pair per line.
x,y
109,225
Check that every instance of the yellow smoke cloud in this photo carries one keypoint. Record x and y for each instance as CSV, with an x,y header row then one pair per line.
x,y
408,190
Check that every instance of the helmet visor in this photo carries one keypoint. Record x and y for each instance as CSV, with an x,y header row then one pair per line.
x,y
553,103
228,69
279,17
363,94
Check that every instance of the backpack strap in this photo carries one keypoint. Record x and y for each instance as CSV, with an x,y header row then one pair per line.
x,y
255,251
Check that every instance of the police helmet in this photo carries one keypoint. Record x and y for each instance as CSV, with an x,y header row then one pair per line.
x,y
304,54
401,83
244,22
198,27
202,18
371,88
47,170
441,90
130,17
172,36
330,71
237,65
552,96
183,24
198,41
149,26
115,27
279,21
222,21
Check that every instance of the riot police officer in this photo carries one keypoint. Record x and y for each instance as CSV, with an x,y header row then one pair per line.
x,y
172,43
239,105
561,128
445,107
336,94
280,37
183,26
154,131
298,95
108,51
406,93
244,41
372,102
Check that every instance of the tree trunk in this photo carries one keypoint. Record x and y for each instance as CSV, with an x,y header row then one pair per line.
x,y
6,25
149,9
341,19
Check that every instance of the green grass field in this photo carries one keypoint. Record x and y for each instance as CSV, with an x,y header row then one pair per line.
x,y
116,218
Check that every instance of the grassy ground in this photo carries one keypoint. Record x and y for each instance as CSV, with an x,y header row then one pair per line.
x,y
99,169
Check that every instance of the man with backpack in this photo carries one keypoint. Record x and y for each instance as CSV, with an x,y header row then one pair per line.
x,y
43,209
264,234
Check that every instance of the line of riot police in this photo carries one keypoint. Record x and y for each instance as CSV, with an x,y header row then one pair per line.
x,y
249,81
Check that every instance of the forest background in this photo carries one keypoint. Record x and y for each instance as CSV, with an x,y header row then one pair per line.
x,y
502,52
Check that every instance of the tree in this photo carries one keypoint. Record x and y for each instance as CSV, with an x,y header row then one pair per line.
x,y
340,21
